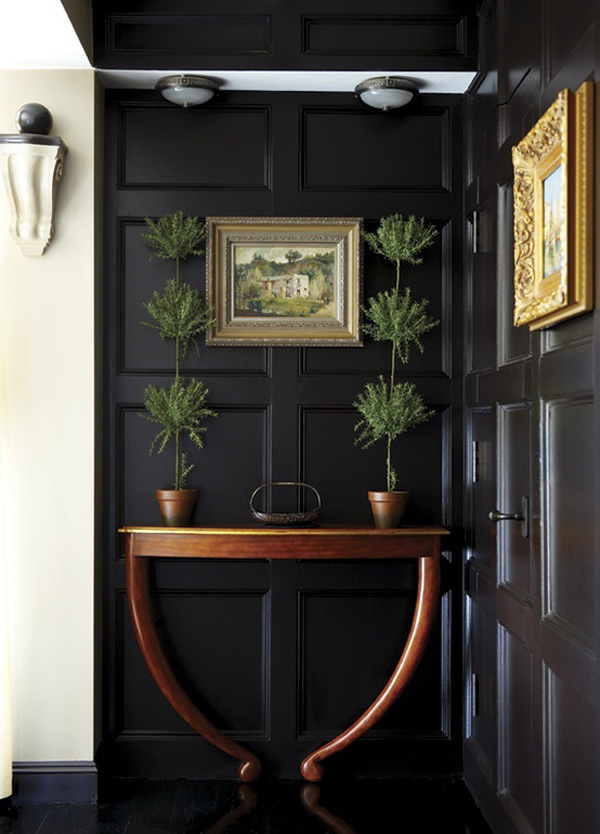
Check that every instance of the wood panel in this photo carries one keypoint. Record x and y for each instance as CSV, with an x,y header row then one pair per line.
x,y
333,626
540,593
519,776
213,671
431,34
335,165
570,802
570,522
328,448
480,493
197,148
139,350
563,31
481,714
385,35
481,292
234,461
283,414
209,34
515,566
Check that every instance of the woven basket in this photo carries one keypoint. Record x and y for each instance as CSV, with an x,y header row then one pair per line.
x,y
285,519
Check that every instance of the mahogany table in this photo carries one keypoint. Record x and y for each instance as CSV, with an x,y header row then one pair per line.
x,y
325,542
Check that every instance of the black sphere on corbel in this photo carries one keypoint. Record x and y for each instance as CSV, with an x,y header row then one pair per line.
x,y
34,118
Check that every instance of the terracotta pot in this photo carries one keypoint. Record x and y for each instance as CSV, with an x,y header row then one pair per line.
x,y
176,505
387,508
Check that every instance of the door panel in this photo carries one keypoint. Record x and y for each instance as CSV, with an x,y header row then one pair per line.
x,y
543,594
570,515
515,569
519,778
571,788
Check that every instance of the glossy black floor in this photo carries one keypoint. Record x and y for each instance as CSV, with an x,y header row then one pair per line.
x,y
183,807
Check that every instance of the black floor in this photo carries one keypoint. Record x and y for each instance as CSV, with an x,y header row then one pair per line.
x,y
182,807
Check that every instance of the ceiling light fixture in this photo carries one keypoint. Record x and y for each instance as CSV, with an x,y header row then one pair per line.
x,y
386,93
187,90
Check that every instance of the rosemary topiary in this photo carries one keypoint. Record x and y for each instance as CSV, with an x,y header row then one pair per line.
x,y
180,314
398,318
388,409
174,237
179,409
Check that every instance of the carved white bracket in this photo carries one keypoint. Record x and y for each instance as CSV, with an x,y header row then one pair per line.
x,y
31,171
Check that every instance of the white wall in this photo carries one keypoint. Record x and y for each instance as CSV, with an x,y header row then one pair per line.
x,y
47,436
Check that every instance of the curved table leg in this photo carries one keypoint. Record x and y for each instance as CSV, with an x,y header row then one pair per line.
x,y
138,593
247,804
425,613
310,796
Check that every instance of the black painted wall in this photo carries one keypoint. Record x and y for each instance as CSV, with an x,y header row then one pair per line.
x,y
270,35
284,655
532,428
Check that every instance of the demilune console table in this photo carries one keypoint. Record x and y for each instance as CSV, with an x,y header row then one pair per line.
x,y
325,542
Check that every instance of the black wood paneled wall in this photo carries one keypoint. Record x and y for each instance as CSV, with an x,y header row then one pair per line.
x,y
280,656
406,35
532,429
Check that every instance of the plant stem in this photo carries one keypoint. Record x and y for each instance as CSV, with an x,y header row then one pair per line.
x,y
177,359
392,383
177,346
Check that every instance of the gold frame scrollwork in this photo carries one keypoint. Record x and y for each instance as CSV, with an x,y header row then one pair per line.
x,y
561,139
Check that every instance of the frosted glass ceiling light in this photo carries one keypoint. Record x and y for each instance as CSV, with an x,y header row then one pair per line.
x,y
187,90
386,93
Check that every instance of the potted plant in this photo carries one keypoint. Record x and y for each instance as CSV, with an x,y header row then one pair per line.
x,y
178,313
389,408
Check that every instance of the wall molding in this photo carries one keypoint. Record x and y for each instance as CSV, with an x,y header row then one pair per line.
x,y
55,782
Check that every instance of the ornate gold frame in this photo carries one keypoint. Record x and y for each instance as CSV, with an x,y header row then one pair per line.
x,y
338,326
561,139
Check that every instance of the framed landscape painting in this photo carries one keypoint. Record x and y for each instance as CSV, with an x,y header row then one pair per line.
x,y
553,213
284,280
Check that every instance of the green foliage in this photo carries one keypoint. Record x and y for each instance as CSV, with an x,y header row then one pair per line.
x,y
387,412
179,409
174,236
401,240
398,318
389,409
178,313
184,469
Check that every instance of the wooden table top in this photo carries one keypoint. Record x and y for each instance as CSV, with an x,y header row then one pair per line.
x,y
326,541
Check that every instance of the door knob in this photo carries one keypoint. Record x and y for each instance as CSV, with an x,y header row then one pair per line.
x,y
523,516
496,515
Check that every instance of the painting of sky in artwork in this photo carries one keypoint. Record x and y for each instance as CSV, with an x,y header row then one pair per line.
x,y
293,281
554,222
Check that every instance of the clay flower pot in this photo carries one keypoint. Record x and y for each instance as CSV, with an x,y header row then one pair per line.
x,y
176,505
387,508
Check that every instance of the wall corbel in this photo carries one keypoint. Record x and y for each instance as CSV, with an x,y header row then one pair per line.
x,y
32,166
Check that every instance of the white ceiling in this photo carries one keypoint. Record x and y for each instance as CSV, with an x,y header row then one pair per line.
x,y
291,81
38,34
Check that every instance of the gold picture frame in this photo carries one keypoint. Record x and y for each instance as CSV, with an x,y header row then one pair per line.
x,y
553,213
284,280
